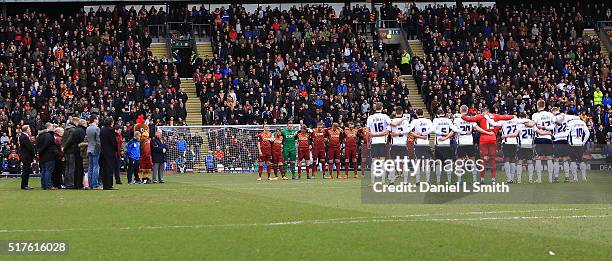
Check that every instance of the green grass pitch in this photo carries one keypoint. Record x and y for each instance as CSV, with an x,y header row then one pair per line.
x,y
235,217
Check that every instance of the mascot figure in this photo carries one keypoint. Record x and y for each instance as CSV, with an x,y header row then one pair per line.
x,y
146,163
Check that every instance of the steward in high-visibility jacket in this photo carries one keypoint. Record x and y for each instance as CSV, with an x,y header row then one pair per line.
x,y
406,57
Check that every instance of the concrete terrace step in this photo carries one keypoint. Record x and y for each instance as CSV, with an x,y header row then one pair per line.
x,y
193,105
591,32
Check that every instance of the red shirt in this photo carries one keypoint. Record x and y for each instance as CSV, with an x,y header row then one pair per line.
x,y
277,145
318,138
303,139
350,138
334,138
264,141
483,124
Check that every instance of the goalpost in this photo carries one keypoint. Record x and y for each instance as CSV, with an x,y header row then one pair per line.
x,y
219,148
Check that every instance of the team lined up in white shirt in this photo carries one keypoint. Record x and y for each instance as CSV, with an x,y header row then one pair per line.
x,y
543,130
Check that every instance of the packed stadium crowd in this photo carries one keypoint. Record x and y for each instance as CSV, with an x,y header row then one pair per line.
x,y
307,64
304,63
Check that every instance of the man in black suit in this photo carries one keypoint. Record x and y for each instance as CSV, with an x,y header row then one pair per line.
x,y
108,141
27,152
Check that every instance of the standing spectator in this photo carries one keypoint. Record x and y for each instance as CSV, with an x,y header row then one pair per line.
x,y
93,152
26,153
108,155
80,152
59,160
70,148
132,152
158,149
47,153
119,138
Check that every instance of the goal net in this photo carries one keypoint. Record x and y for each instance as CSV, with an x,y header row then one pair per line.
x,y
221,148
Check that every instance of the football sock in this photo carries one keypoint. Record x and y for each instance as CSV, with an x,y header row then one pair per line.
x,y
512,170
574,170
530,169
539,168
551,167
260,169
493,168
346,167
438,173
508,170
391,176
556,170
519,172
323,168
299,170
355,167
337,169
583,170
566,169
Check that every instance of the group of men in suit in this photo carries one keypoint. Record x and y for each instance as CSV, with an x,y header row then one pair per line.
x,y
102,151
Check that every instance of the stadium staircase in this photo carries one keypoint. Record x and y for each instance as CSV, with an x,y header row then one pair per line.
x,y
194,118
591,33
159,50
193,106
204,50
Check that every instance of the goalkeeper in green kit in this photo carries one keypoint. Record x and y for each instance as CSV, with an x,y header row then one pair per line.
x,y
289,151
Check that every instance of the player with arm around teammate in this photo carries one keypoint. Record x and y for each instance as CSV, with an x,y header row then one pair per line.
x,y
560,135
525,133
465,140
444,130
420,130
379,127
509,146
577,139
399,139
544,120
488,139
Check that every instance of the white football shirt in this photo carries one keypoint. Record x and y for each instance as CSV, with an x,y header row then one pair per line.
x,y
546,120
424,127
466,127
404,128
378,122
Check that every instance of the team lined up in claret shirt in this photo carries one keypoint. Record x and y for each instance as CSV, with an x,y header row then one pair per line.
x,y
319,146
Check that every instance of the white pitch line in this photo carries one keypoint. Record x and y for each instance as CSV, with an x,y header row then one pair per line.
x,y
306,222
475,213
